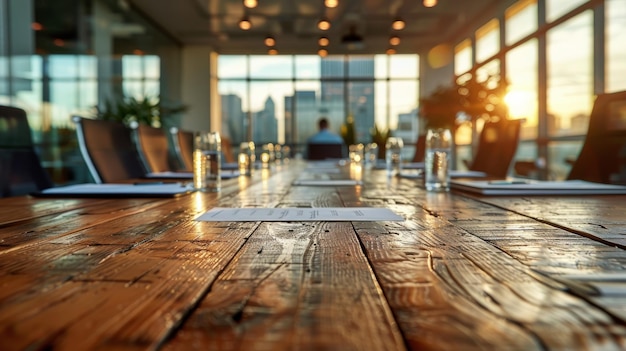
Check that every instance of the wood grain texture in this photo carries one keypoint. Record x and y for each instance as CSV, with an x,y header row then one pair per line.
x,y
459,273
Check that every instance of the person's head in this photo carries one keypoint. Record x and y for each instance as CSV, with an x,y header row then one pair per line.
x,y
322,123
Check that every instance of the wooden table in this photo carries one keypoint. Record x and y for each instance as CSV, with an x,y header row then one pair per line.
x,y
460,273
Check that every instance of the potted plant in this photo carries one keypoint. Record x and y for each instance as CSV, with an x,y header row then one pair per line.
x,y
148,110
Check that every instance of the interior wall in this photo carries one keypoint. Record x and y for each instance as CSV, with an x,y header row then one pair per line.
x,y
196,88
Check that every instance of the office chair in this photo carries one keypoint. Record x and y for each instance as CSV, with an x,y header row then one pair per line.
x,y
317,151
496,148
152,146
108,150
603,155
21,172
183,148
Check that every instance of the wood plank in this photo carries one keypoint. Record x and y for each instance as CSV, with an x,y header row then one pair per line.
x,y
294,286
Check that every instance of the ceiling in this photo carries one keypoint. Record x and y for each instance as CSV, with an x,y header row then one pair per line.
x,y
293,23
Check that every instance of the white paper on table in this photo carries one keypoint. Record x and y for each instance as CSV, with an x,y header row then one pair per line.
x,y
119,190
291,214
327,182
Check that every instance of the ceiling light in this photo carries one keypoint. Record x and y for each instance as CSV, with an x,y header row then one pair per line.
x,y
245,23
323,24
270,41
272,51
250,3
322,52
331,3
391,51
398,24
394,40
323,41
430,3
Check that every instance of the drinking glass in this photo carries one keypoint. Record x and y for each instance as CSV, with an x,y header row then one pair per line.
x,y
438,159
207,161
393,155
246,158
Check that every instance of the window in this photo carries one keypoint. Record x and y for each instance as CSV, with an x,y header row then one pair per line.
x,y
463,57
570,73
521,20
557,8
282,97
487,40
615,11
522,94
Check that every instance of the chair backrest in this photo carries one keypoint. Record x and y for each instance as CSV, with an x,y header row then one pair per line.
x,y
324,151
603,155
108,150
496,147
227,150
21,172
420,149
183,148
153,148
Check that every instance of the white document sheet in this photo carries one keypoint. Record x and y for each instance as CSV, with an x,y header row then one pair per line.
x,y
333,214
327,182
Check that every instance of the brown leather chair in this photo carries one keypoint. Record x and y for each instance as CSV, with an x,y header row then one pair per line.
x,y
496,148
603,155
153,148
420,149
108,150
183,148
21,172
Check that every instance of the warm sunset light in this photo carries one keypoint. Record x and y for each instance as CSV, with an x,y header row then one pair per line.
x,y
520,103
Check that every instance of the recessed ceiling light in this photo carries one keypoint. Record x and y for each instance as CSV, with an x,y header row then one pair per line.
x,y
322,52
331,3
394,40
323,24
270,41
245,23
272,51
398,24
250,3
391,51
430,3
323,41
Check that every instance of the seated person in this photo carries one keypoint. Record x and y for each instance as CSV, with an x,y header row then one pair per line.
x,y
324,144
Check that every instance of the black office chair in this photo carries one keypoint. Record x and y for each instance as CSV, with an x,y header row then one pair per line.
x,y
496,148
317,151
21,172
108,150
603,155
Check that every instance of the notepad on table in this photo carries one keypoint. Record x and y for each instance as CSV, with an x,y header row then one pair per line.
x,y
117,190
537,187
224,173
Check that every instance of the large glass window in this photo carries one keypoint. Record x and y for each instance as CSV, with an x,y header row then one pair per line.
x,y
487,40
569,88
570,73
522,98
615,45
463,57
283,96
521,20
557,8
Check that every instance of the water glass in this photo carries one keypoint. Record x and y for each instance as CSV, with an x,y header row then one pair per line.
x,y
371,154
356,153
246,158
438,159
207,161
393,155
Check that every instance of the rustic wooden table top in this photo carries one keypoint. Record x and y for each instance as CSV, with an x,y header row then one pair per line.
x,y
459,273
